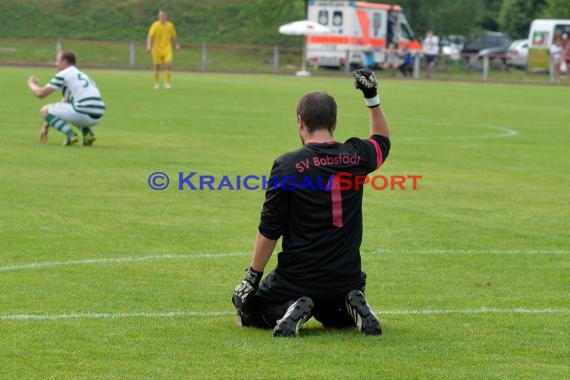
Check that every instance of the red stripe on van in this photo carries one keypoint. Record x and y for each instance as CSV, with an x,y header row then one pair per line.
x,y
415,45
362,4
328,40
343,40
364,24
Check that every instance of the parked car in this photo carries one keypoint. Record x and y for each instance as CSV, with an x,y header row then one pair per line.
x,y
518,54
494,44
450,46
498,41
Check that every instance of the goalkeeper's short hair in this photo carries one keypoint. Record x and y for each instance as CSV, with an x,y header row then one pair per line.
x,y
318,111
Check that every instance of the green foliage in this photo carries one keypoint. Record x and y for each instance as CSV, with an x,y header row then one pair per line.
x,y
249,21
215,21
469,16
456,17
487,19
443,16
261,20
557,9
516,15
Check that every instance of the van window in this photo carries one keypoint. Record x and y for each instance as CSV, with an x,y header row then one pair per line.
x,y
560,29
540,38
337,18
323,17
406,32
376,20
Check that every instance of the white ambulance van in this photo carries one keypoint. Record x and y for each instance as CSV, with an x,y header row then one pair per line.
x,y
542,36
357,27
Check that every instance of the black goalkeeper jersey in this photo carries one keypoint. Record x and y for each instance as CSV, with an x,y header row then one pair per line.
x,y
321,224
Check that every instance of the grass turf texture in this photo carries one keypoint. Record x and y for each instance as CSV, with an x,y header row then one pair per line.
x,y
469,274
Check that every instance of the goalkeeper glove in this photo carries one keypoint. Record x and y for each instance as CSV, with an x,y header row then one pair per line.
x,y
365,81
245,290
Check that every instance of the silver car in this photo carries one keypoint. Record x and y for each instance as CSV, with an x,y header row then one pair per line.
x,y
518,54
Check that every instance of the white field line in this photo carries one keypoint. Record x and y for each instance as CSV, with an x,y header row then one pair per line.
x,y
114,260
503,132
448,251
93,315
198,314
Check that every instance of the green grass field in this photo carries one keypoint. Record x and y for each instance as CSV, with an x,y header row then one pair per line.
x,y
102,277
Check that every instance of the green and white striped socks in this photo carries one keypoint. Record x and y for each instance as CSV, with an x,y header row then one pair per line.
x,y
61,125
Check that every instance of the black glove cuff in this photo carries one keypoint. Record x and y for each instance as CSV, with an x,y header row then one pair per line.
x,y
370,92
253,277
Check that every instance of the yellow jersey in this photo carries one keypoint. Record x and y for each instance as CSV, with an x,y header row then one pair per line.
x,y
162,36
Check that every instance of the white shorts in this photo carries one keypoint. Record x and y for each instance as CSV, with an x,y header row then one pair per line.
x,y
66,112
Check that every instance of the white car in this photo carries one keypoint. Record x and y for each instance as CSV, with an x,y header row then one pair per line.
x,y
518,54
451,46
451,51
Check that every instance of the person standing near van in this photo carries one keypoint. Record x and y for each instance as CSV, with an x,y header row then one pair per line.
x,y
566,51
369,59
407,66
161,37
431,50
392,60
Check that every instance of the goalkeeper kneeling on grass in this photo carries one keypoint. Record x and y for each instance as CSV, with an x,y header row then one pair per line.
x,y
318,273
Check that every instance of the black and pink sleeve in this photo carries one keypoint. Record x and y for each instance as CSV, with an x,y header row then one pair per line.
x,y
381,149
274,215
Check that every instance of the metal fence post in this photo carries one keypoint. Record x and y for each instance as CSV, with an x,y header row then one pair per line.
x,y
347,62
276,59
58,46
417,57
551,68
132,54
204,56
486,67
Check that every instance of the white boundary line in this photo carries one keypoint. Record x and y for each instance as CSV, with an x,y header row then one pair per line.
x,y
111,260
505,132
483,310
127,259
446,251
93,315
177,314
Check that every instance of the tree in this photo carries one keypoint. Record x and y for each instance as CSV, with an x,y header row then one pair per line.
x,y
456,17
557,9
516,15
442,16
488,20
261,19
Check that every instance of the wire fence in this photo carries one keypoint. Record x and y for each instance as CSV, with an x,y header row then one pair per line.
x,y
207,57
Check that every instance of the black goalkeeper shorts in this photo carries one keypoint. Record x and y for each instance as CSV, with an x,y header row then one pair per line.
x,y
276,294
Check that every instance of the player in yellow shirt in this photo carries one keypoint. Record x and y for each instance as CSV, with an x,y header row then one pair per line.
x,y
161,37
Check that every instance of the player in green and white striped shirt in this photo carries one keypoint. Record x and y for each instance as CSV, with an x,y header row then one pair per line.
x,y
82,105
